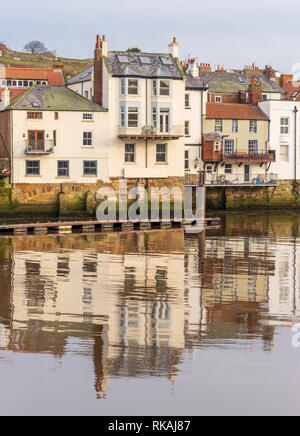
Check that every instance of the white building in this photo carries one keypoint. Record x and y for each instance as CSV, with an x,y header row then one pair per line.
x,y
144,94
54,135
284,136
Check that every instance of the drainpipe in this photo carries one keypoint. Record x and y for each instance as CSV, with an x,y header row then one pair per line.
x,y
295,158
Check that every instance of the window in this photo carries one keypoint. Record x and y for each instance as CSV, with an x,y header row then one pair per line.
x,y
160,87
187,100
154,87
186,160
209,169
252,126
284,153
89,116
89,167
154,117
187,128
130,153
35,115
36,140
133,117
218,99
87,139
32,167
20,83
228,169
228,146
56,115
133,86
25,83
284,126
54,138
122,116
164,87
123,86
252,147
217,146
265,97
63,168
164,120
235,126
218,125
161,153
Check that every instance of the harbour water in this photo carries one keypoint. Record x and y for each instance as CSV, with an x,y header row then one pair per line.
x,y
153,323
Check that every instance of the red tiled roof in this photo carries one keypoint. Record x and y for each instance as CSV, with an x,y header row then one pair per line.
x,y
49,74
235,111
290,88
14,92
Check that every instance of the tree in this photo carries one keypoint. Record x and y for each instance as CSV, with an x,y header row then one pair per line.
x,y
134,50
35,47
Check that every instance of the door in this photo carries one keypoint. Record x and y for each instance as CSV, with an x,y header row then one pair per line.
x,y
36,140
164,121
247,173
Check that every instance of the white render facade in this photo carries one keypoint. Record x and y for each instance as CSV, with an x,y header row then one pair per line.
x,y
284,137
76,153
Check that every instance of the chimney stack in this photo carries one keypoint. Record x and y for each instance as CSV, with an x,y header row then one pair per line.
x,y
254,91
268,71
193,68
98,71
174,48
5,99
205,67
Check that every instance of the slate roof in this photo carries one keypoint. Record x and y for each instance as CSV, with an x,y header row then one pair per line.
x,y
84,76
236,111
53,98
53,77
136,68
230,82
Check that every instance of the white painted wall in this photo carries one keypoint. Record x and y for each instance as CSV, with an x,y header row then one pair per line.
x,y
83,88
193,115
275,109
69,132
175,148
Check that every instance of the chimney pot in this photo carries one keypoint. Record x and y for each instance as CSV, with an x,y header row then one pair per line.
x,y
174,39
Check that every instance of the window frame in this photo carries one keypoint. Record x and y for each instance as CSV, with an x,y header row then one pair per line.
x,y
67,169
235,126
87,116
218,97
219,120
37,115
226,143
161,153
187,128
251,142
186,160
88,139
228,169
252,126
33,167
128,153
88,173
156,88
187,101
287,146
285,126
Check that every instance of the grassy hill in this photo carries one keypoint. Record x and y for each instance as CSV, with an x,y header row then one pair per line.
x,y
20,59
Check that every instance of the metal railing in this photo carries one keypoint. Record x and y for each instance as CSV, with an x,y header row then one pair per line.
x,y
257,179
44,147
177,130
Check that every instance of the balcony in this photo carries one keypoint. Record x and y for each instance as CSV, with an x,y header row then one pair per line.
x,y
241,156
253,179
175,132
40,148
262,156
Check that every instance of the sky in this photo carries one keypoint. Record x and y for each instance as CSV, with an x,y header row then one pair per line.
x,y
228,33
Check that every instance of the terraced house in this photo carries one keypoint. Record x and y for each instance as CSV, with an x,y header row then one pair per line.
x,y
144,94
52,137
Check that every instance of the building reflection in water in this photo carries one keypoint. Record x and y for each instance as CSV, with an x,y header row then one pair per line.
x,y
139,301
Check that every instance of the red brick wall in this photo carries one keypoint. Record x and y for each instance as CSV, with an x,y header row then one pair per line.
x,y
5,132
98,76
208,153
226,98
